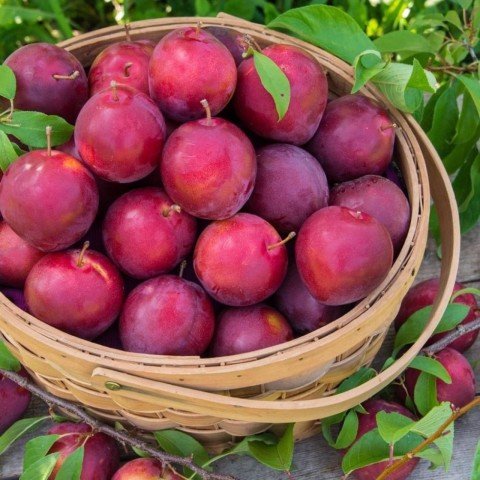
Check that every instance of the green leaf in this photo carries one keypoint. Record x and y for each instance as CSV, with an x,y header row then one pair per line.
x,y
365,72
358,378
467,194
41,469
9,14
403,84
392,427
326,27
180,443
274,81
425,393
8,82
461,152
433,455
431,366
476,464
403,41
37,448
7,360
18,429
7,152
427,117
465,291
71,468
472,86
413,327
29,128
202,7
464,3
279,456
347,434
140,453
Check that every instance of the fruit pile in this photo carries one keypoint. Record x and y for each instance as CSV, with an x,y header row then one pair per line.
x,y
184,187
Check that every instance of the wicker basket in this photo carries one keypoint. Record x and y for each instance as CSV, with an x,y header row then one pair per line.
x,y
219,400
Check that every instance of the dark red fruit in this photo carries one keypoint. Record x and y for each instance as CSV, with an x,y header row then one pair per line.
x,y
79,292
110,338
188,65
232,39
366,423
308,98
17,257
290,186
120,134
49,80
355,138
16,296
342,255
125,63
246,329
423,294
303,311
146,469
14,401
146,234
462,388
167,315
240,261
49,199
208,167
381,199
101,455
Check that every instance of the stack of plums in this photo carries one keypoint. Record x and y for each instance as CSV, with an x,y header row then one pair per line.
x,y
175,205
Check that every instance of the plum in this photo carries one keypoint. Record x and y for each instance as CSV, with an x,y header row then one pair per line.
x,y
366,423
462,388
423,294
16,296
380,198
110,338
146,469
124,62
208,167
303,311
240,261
355,138
188,65
309,89
233,40
120,134
342,255
146,234
167,315
77,291
290,186
17,257
245,329
49,199
49,80
14,401
101,455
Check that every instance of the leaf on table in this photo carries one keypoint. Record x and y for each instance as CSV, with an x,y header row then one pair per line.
x,y
71,468
326,27
476,464
18,429
37,448
41,469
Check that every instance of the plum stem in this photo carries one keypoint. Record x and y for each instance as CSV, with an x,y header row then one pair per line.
x,y
428,441
113,84
122,436
127,68
388,127
48,132
183,266
172,208
126,26
72,76
281,242
85,247
206,106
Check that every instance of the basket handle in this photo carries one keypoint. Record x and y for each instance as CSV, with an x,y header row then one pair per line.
x,y
121,385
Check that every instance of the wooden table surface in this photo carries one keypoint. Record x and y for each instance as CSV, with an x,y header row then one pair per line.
x,y
314,459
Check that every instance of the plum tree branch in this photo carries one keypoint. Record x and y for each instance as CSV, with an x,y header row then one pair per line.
x,y
457,332
428,441
121,435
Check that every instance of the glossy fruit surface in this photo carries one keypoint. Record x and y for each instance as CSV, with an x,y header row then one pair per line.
x,y
145,469
14,401
49,200
342,255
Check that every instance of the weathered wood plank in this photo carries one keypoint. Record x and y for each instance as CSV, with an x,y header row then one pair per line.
x,y
314,459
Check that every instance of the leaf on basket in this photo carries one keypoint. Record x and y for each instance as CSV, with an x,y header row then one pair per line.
x,y
7,360
274,81
278,456
358,378
37,448
41,469
71,468
18,429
